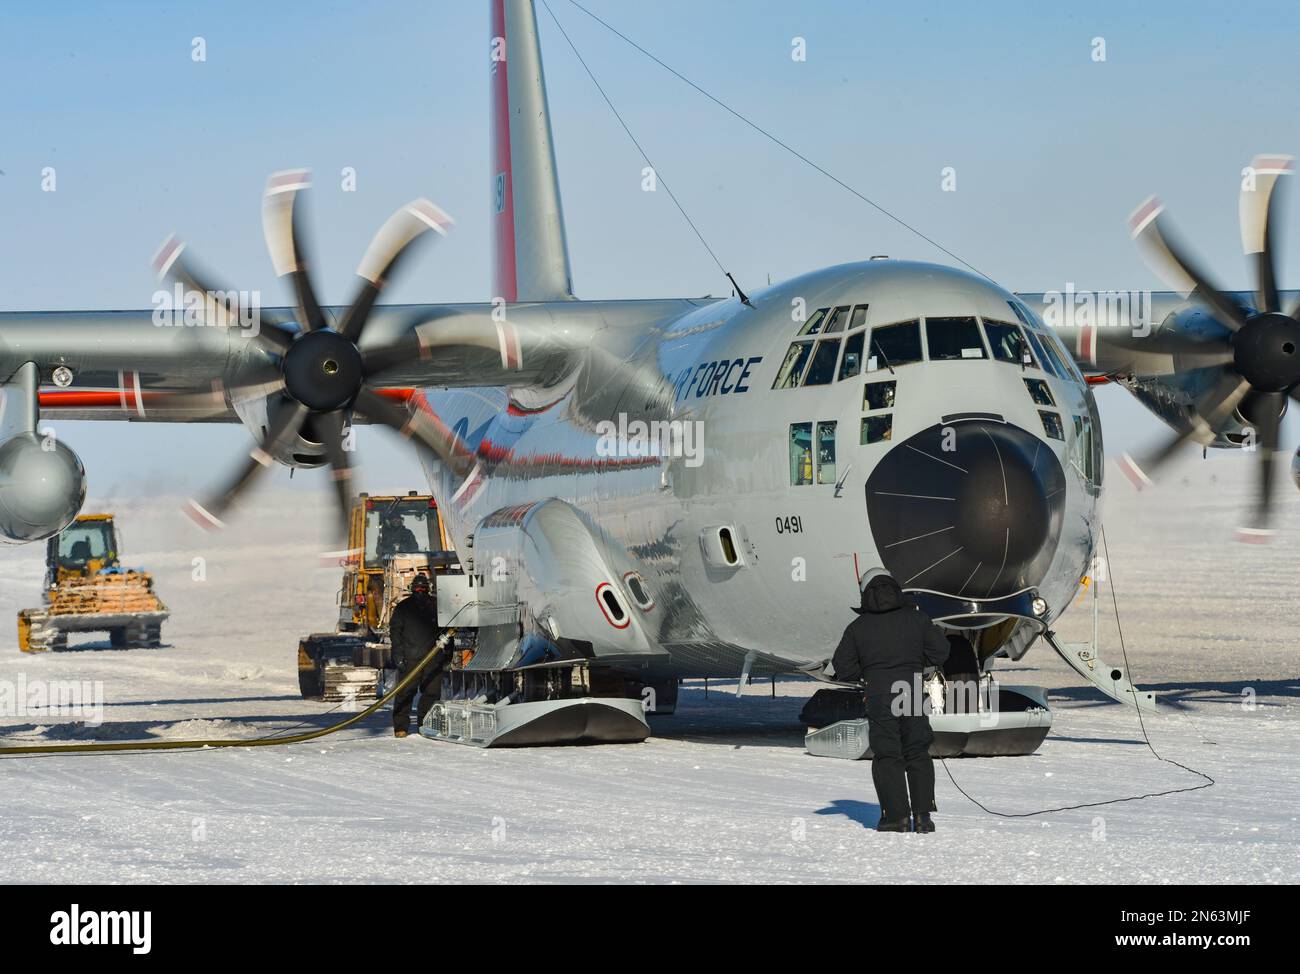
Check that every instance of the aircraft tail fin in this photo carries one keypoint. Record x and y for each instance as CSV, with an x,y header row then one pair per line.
x,y
530,254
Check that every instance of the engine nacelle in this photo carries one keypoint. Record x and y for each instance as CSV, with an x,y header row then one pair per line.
x,y
304,451
42,487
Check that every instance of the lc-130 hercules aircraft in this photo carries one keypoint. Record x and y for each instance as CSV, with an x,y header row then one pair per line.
x,y
683,487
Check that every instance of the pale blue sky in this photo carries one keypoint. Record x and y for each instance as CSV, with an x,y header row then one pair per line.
x,y
1051,150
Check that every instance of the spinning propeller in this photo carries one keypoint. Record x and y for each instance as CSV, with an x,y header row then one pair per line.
x,y
1259,358
316,375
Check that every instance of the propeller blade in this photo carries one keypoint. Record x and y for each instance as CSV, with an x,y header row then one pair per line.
x,y
221,306
1267,426
274,338
1256,206
1209,352
218,398
333,427
408,348
1174,266
393,241
1211,410
287,423
419,425
282,229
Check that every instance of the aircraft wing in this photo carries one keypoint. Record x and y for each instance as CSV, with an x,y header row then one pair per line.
x,y
124,365
1137,334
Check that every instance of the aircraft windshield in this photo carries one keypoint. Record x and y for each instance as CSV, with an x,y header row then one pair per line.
x,y
894,345
953,338
401,528
1008,343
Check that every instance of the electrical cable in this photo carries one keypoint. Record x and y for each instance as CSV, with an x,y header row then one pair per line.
x,y
1207,783
100,747
644,155
768,135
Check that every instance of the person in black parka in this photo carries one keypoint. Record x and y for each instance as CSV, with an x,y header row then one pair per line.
x,y
887,647
412,631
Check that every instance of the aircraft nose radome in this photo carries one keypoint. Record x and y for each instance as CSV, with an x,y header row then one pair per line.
x,y
975,512
1001,505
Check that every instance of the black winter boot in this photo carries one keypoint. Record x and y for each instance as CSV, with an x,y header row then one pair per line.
x,y
898,825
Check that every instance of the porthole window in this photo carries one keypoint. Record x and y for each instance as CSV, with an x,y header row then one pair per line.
x,y
729,553
720,546
640,594
611,606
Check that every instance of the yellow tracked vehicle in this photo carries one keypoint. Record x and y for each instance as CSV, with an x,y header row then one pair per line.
x,y
87,590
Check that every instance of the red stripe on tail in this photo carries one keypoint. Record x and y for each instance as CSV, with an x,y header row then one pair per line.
x,y
504,283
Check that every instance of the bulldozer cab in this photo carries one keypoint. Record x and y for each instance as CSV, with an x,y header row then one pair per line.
x,y
382,531
82,549
400,526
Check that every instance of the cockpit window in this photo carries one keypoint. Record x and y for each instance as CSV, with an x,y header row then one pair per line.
x,y
1069,370
791,371
953,338
1048,362
1055,360
852,363
1022,313
826,453
859,316
1008,343
814,324
801,464
1054,354
894,345
822,370
836,320
1040,392
879,395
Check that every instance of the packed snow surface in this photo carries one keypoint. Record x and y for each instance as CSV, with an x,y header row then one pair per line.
x,y
723,790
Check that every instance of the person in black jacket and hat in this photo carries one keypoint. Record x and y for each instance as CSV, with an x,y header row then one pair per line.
x,y
412,630
887,647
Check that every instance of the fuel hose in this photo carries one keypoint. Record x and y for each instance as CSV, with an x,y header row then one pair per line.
x,y
101,747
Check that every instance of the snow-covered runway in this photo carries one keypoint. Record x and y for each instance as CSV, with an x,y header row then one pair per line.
x,y
722,791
